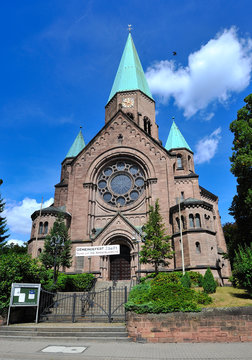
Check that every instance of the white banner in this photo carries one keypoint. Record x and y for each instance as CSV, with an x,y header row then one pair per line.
x,y
98,250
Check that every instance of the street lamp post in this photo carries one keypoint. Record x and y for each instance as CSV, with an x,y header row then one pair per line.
x,y
181,238
137,242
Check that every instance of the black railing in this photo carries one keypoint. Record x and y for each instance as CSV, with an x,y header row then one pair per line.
x,y
104,305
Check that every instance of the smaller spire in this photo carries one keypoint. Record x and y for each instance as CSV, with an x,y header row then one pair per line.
x,y
77,146
175,139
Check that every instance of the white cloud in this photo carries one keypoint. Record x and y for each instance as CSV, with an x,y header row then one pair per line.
x,y
206,148
220,67
209,116
19,214
15,242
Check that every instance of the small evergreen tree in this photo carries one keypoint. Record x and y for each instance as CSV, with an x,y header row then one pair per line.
x,y
57,248
157,248
3,221
209,284
186,280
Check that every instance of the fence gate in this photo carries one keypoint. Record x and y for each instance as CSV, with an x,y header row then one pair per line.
x,y
104,305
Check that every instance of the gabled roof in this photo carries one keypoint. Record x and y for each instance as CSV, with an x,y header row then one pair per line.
x,y
76,147
130,74
175,139
117,215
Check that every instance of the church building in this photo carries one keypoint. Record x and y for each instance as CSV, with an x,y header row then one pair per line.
x,y
107,186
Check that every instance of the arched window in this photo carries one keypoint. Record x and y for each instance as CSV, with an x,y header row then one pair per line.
x,y
40,228
198,249
179,162
39,251
46,227
197,221
191,221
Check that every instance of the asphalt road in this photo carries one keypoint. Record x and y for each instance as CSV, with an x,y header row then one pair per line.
x,y
60,349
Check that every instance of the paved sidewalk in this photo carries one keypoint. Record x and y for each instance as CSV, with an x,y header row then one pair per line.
x,y
32,349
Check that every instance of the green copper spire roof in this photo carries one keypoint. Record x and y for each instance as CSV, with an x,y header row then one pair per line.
x,y
77,146
130,74
175,139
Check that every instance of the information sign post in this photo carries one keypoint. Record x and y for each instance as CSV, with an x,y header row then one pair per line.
x,y
24,295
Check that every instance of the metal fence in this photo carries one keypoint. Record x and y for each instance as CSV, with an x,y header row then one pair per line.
x,y
104,305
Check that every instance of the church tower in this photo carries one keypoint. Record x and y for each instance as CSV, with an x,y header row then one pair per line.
x,y
106,188
130,92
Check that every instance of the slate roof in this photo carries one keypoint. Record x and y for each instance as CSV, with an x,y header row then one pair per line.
x,y
130,74
175,139
76,147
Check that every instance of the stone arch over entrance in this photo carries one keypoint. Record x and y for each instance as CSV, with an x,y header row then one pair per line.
x,y
120,265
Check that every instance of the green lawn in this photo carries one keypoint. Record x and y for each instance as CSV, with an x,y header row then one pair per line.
x,y
230,297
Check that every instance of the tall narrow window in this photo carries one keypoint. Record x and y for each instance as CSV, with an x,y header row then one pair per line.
x,y
179,162
197,221
79,263
40,228
178,224
182,196
198,249
191,221
183,221
189,163
147,125
46,227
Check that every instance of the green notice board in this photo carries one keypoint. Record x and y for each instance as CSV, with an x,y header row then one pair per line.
x,y
25,294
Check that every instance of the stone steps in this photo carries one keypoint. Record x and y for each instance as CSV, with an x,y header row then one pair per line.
x,y
89,333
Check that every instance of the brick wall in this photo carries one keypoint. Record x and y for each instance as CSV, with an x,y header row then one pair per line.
x,y
210,325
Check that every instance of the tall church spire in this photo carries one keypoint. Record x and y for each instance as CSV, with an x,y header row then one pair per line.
x,y
77,146
130,74
175,139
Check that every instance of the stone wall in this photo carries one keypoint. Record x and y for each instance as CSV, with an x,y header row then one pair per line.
x,y
210,325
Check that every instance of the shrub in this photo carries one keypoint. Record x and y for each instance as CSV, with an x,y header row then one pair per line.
x,y
242,269
186,281
196,278
164,278
78,282
140,293
161,296
209,284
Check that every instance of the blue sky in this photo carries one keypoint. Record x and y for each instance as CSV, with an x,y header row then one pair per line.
x,y
58,62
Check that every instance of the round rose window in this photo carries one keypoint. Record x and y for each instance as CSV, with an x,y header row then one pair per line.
x,y
121,183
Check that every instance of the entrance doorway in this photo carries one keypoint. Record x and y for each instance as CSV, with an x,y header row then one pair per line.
x,y
120,264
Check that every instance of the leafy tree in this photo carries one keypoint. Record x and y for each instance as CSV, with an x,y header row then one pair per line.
x,y
13,249
209,284
242,269
19,268
232,239
3,229
241,167
157,248
57,248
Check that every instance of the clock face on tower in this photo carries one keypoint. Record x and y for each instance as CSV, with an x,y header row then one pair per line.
x,y
128,102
